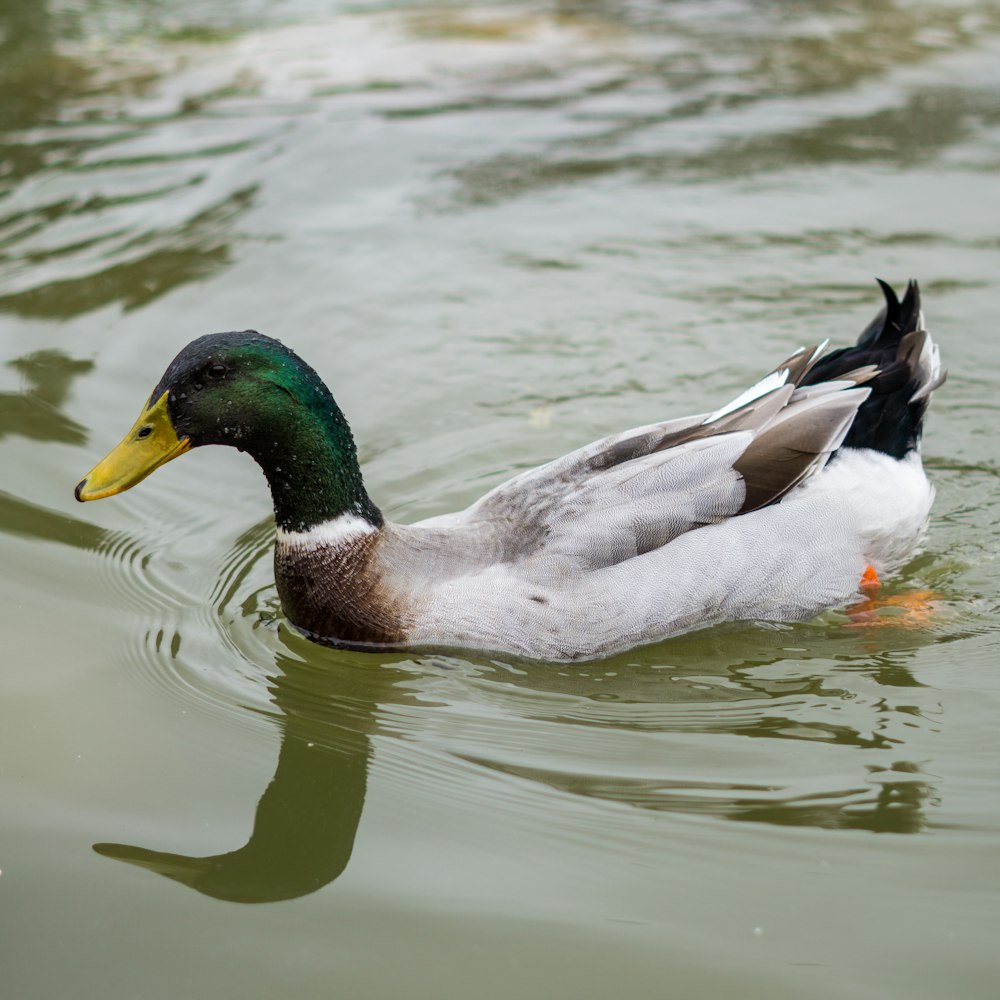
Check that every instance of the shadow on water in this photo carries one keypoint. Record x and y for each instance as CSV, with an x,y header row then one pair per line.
x,y
191,251
20,517
33,78
36,80
35,413
735,71
67,245
902,137
328,708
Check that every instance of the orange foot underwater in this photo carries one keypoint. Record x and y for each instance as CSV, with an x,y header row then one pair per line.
x,y
915,607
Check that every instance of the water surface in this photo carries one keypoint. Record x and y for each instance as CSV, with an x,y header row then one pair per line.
x,y
498,231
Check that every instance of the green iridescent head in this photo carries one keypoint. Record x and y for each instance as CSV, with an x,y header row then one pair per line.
x,y
253,393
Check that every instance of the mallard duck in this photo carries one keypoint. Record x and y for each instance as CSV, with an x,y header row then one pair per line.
x,y
779,505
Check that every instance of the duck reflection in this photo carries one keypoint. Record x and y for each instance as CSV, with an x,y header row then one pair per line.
x,y
813,686
307,819
737,684
883,806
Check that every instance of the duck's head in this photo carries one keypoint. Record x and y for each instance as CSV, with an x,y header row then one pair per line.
x,y
253,393
219,390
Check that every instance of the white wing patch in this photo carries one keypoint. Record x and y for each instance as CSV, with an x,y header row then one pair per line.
x,y
819,352
767,384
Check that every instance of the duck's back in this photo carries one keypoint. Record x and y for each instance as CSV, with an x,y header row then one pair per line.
x,y
771,508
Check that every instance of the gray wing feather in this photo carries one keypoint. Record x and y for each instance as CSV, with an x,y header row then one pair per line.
x,y
633,492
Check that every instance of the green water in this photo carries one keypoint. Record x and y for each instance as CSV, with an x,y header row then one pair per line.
x,y
498,231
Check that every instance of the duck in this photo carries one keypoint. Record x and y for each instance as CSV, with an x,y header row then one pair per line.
x,y
790,500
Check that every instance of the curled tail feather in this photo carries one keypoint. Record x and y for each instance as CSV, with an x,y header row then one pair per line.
x,y
907,367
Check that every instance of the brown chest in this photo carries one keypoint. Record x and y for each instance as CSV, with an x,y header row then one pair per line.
x,y
338,593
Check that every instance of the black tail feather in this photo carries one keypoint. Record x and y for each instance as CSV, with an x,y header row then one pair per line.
x,y
891,419
909,310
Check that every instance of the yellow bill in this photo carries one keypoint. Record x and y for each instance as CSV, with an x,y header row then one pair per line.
x,y
150,443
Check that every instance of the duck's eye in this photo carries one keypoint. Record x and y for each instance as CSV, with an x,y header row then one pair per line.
x,y
144,432
216,370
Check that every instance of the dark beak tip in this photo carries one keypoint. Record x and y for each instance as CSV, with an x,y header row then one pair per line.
x,y
79,489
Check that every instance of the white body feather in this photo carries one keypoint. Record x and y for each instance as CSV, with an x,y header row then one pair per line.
x,y
786,562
